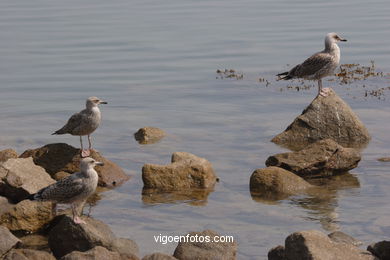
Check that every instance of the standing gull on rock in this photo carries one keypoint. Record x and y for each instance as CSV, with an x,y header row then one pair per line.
x,y
74,189
319,65
84,123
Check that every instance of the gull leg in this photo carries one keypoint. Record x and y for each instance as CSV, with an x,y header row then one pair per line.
x,y
84,153
323,92
76,218
89,142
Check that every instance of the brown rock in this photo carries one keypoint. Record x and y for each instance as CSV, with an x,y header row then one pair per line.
x,y
277,253
158,256
276,183
29,216
314,244
21,177
323,158
341,237
185,172
97,253
60,175
202,250
5,205
28,254
149,135
384,159
7,154
35,241
326,117
7,240
62,157
380,249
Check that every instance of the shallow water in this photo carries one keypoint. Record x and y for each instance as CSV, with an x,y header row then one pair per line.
x,y
155,63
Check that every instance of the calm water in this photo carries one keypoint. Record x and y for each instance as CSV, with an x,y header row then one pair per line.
x,y
155,63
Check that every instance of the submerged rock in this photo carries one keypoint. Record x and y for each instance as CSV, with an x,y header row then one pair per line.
x,y
7,241
7,154
380,249
62,157
323,158
21,177
185,172
202,250
276,183
326,117
28,254
149,135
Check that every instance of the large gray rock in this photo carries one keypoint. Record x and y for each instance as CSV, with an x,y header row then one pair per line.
x,y
97,253
276,183
66,236
185,172
202,250
158,256
341,237
62,157
7,154
21,177
326,117
7,240
28,254
28,216
149,135
380,249
323,158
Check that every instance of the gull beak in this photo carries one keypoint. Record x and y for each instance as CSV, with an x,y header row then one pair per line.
x,y
99,163
342,40
102,102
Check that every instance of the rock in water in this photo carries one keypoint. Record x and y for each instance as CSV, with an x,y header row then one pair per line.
x,y
7,154
149,135
326,117
380,249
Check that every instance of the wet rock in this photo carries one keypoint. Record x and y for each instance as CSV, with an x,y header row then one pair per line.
x,y
380,249
62,157
384,159
201,250
277,253
323,158
21,177
66,236
149,135
5,205
185,172
313,244
326,117
158,256
97,253
341,237
28,254
7,240
28,216
195,197
7,154
275,183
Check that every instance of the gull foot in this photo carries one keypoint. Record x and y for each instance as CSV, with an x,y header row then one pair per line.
x,y
324,92
85,153
78,220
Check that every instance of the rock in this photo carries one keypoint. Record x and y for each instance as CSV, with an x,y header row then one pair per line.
x,y
62,157
149,135
158,256
326,117
202,250
125,246
277,253
313,244
7,240
185,172
384,159
7,154
28,216
341,237
97,253
274,183
21,177
66,236
28,254
35,241
60,175
5,205
380,249
323,158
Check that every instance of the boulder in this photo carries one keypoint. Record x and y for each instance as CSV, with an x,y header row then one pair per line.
x,y
21,177
313,244
198,248
7,154
326,117
158,256
5,205
62,157
149,135
28,216
341,237
28,254
97,253
380,249
384,159
186,171
277,253
66,236
7,240
276,183
35,241
323,158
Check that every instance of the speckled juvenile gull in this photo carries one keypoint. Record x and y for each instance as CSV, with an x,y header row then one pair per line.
x,y
319,65
84,123
74,189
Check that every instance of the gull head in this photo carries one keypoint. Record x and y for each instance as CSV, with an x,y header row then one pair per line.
x,y
94,101
333,38
89,163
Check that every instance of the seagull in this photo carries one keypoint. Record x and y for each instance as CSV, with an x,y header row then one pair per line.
x,y
319,65
74,189
84,123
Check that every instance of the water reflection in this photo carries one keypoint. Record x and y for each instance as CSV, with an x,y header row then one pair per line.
x,y
194,197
